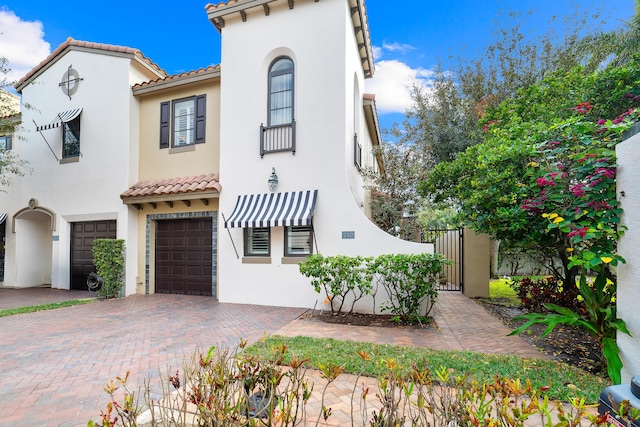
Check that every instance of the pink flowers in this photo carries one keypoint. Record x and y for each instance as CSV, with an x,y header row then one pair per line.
x,y
489,123
583,107
577,190
544,182
606,172
582,231
599,205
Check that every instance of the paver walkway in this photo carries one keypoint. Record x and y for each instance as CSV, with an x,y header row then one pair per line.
x,y
55,363
461,325
13,298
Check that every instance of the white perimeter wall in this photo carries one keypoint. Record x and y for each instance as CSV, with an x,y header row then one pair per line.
x,y
313,34
628,183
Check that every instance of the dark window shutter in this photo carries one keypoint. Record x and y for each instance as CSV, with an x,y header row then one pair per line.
x,y
165,119
201,102
7,142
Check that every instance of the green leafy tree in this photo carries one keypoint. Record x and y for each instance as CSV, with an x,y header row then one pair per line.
x,y
544,180
443,119
11,165
394,188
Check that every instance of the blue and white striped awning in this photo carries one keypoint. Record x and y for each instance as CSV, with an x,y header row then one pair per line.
x,y
3,217
64,117
273,210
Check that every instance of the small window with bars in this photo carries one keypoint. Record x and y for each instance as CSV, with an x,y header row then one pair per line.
x,y
298,241
257,241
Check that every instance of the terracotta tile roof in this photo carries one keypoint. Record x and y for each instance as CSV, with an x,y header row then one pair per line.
x,y
167,186
179,76
221,4
70,42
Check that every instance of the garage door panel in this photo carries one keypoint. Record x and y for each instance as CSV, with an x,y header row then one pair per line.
x,y
183,260
82,236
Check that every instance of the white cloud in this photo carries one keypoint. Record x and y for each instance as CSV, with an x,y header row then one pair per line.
x,y
22,43
392,83
397,47
377,52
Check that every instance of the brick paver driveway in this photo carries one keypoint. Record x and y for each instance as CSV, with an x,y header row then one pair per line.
x,y
55,364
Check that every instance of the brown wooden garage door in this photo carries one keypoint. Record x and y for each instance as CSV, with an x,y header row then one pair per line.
x,y
82,236
184,256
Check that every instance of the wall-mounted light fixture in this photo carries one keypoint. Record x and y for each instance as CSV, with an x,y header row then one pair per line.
x,y
273,181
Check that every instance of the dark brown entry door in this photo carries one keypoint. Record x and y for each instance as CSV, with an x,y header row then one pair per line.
x,y
184,256
82,236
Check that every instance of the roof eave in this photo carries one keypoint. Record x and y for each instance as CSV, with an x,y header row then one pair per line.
x,y
176,81
371,118
186,198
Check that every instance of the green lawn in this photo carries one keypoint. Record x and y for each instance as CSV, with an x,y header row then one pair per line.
x,y
565,381
51,306
501,292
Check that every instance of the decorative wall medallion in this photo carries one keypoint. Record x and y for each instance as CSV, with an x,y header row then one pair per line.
x,y
33,203
70,81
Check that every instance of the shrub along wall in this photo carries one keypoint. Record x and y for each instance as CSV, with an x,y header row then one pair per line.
x,y
408,282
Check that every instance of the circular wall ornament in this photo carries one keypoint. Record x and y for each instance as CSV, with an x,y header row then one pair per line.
x,y
33,203
70,81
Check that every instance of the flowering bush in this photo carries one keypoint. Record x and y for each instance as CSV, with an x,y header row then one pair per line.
x,y
573,188
534,294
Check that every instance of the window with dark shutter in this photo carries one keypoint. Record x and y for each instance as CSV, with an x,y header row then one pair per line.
x,y
201,102
165,119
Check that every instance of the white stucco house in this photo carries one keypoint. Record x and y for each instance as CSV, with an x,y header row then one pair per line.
x,y
221,180
78,138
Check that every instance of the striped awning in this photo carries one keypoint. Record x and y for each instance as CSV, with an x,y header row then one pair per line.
x,y
64,117
273,210
3,217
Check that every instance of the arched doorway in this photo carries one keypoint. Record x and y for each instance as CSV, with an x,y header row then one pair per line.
x,y
34,247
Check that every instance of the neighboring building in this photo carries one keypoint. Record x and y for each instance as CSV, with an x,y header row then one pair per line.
x,y
80,140
178,166
9,119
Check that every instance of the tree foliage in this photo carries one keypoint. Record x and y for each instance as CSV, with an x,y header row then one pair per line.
x,y
443,119
11,165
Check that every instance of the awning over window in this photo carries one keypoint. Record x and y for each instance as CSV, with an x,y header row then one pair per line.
x,y
273,210
3,217
64,117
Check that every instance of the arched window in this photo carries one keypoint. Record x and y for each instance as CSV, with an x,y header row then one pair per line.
x,y
281,92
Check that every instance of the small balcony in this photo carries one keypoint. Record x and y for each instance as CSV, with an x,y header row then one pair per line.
x,y
357,152
278,138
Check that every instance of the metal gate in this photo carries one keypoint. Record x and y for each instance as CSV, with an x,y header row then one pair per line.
x,y
448,242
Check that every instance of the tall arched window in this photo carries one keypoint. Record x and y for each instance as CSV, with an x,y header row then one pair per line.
x,y
281,92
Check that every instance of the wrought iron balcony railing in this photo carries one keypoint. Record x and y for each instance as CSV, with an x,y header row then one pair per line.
x,y
278,138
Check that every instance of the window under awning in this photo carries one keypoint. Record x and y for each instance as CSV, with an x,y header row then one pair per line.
x,y
273,210
63,117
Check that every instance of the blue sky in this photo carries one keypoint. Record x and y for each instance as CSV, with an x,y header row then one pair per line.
x,y
409,36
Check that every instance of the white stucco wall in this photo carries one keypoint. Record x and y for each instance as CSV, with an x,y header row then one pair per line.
x,y
318,36
628,183
88,189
